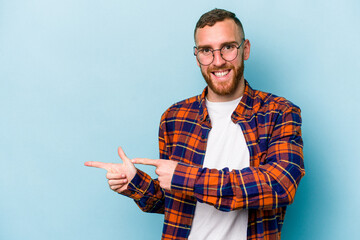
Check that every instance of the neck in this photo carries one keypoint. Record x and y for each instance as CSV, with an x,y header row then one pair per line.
x,y
239,91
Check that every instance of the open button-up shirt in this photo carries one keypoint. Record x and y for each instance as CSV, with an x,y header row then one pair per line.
x,y
272,130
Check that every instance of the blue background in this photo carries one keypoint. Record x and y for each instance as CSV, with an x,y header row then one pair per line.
x,y
79,78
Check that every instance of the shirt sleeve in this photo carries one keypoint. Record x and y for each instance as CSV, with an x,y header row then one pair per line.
x,y
145,191
268,186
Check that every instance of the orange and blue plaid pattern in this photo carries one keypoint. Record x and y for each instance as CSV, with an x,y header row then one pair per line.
x,y
272,129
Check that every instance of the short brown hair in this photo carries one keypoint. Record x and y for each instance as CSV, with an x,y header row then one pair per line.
x,y
218,15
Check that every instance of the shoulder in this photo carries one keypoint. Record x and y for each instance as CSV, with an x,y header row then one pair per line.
x,y
265,102
187,108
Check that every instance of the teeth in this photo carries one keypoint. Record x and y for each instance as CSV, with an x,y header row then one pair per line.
x,y
221,74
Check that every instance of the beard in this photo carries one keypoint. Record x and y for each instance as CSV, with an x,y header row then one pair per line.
x,y
224,88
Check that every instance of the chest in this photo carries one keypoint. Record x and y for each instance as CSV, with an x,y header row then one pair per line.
x,y
188,140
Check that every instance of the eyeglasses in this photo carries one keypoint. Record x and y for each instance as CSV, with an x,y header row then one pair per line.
x,y
228,52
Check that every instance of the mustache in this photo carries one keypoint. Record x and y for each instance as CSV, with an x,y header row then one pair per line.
x,y
225,67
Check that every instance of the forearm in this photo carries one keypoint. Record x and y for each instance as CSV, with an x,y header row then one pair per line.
x,y
250,188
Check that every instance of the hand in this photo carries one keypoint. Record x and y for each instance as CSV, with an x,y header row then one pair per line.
x,y
164,169
119,174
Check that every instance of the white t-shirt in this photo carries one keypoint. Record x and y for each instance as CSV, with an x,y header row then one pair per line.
x,y
226,147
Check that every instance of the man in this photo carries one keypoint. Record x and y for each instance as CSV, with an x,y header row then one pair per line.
x,y
230,159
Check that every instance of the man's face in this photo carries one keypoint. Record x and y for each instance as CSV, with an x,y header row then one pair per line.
x,y
224,78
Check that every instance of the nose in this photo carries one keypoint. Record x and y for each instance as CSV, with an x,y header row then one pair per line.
x,y
218,59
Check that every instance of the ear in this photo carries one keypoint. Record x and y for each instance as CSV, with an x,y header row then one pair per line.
x,y
195,50
247,46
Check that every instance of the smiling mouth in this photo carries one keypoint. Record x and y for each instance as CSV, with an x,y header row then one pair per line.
x,y
221,73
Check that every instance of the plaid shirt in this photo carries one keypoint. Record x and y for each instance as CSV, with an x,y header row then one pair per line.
x,y
271,127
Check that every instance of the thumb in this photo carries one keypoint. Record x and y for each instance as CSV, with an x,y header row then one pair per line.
x,y
122,155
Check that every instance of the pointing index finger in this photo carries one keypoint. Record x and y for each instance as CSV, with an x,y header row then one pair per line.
x,y
145,161
102,165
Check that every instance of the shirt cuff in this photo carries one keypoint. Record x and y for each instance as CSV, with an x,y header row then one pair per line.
x,y
184,178
138,185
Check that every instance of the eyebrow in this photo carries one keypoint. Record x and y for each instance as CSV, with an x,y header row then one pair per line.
x,y
223,44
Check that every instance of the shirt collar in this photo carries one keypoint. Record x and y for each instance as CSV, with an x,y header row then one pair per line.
x,y
243,110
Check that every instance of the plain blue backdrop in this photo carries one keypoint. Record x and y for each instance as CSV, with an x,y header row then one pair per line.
x,y
79,78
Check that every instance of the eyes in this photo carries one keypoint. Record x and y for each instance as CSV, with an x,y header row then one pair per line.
x,y
206,50
226,48
228,52
229,47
